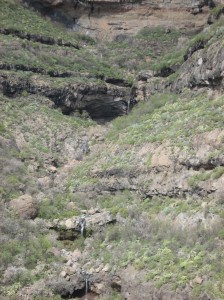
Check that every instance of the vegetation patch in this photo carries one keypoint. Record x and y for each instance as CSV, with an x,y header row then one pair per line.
x,y
183,117
162,249
147,46
15,16
22,247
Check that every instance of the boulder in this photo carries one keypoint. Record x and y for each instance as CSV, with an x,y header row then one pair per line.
x,y
71,228
24,206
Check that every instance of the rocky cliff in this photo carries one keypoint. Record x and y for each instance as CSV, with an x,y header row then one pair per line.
x,y
106,19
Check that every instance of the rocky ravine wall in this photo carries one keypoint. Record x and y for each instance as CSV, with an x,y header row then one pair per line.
x,y
107,19
204,68
184,4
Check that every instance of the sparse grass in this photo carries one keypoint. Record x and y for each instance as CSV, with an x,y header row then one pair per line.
x,y
17,51
218,10
218,172
158,33
147,46
146,235
118,203
176,57
182,117
55,59
169,60
197,178
139,114
13,15
22,247
163,249
56,208
148,238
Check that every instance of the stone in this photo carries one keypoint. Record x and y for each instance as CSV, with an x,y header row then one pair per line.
x,y
63,274
106,268
20,140
57,2
70,223
196,10
93,211
69,271
91,271
144,75
198,280
76,255
67,278
44,183
98,270
52,169
75,268
161,156
24,206
71,206
69,263
200,61
99,288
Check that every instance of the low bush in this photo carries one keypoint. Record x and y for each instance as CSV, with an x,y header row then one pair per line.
x,y
217,173
55,208
197,178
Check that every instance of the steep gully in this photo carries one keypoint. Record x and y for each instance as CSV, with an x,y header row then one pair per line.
x,y
163,169
112,97
65,98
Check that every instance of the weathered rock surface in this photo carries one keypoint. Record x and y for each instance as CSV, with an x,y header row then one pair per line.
x,y
99,99
24,206
202,68
37,38
71,228
132,287
169,172
107,19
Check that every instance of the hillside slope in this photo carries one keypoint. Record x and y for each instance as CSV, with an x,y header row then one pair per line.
x,y
112,163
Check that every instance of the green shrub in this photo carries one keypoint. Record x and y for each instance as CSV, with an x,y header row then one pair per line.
x,y
2,128
56,208
218,172
169,60
15,16
196,179
217,11
141,112
158,33
221,234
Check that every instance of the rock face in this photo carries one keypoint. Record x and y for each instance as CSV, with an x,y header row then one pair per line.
x,y
169,172
107,19
203,68
72,228
99,99
37,38
24,206
185,4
